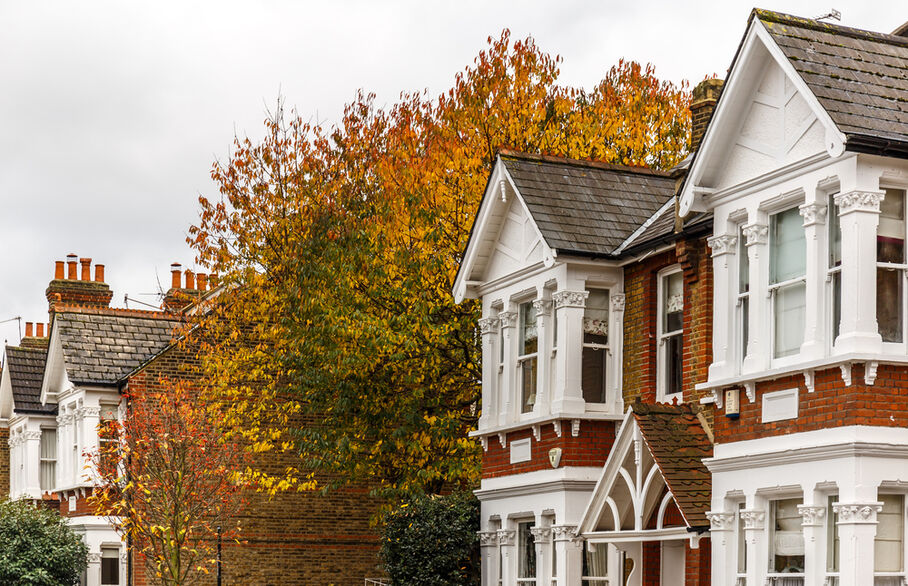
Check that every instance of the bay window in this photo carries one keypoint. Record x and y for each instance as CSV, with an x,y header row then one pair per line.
x,y
595,565
787,286
595,346
786,544
48,455
834,270
526,553
528,354
670,333
890,258
888,548
743,299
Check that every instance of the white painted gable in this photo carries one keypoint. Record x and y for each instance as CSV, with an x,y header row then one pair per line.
x,y
778,128
6,395
517,246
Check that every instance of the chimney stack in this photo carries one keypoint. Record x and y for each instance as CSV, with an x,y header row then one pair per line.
x,y
702,105
79,290
29,329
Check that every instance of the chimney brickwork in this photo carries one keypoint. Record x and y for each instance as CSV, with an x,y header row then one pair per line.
x,y
185,288
76,289
703,103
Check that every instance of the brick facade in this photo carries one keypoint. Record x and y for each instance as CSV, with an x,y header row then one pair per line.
x,y
4,462
590,448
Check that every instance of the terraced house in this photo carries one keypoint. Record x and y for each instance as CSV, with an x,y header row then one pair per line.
x,y
701,377
61,382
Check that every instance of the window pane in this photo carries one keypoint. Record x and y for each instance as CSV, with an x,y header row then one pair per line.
x,y
741,542
595,317
593,375
889,303
832,538
528,332
836,304
48,474
743,264
788,313
835,234
788,255
110,566
890,241
49,444
787,540
673,364
528,384
595,563
745,324
888,542
672,302
526,560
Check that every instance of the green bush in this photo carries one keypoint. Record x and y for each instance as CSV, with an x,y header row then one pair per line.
x,y
432,541
37,547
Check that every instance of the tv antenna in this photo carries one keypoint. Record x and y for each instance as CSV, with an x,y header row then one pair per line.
x,y
833,14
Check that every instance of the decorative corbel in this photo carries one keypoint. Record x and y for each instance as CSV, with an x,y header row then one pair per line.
x,y
484,440
810,380
503,439
870,372
718,397
557,426
575,427
750,389
846,373
537,432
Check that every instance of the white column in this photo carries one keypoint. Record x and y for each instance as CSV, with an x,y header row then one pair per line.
x,y
857,528
724,548
723,252
31,451
814,530
543,403
615,362
93,571
507,545
757,552
569,552
488,327
488,548
88,417
859,216
542,537
759,345
567,396
506,402
814,214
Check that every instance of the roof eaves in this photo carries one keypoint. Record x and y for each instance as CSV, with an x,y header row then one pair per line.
x,y
642,228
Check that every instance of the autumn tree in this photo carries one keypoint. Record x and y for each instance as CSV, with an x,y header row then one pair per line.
x,y
339,339
167,479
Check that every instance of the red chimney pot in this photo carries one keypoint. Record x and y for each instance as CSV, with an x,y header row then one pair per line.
x,y
86,269
58,269
175,280
201,281
190,279
71,266
28,329
99,273
40,330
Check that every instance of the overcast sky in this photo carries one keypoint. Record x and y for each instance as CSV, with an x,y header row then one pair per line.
x,y
111,113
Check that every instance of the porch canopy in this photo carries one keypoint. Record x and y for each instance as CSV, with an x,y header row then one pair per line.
x,y
654,486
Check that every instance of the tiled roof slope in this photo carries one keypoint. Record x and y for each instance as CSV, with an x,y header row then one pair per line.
x,y
661,227
586,207
859,77
101,348
26,370
678,442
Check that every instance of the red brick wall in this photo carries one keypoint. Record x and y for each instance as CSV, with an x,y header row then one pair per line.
x,y
696,261
4,462
590,448
832,404
697,564
294,537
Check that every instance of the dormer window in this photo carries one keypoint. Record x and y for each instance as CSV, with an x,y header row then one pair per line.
x,y
595,346
670,325
528,354
787,286
890,258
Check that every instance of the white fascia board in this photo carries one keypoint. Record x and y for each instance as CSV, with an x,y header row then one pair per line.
x,y
548,255
55,379
723,118
6,394
670,534
613,463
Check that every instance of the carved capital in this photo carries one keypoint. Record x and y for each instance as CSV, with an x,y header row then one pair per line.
x,y
488,325
753,519
83,412
857,513
541,534
508,319
722,244
755,234
542,306
859,201
506,536
32,435
811,515
488,538
94,558
813,213
720,521
570,298
564,532
617,302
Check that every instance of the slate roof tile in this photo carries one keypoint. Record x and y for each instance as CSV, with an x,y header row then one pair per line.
x,y
103,348
26,372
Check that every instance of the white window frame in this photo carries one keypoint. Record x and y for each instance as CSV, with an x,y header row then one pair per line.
x,y
588,580
833,273
607,360
520,547
772,291
743,299
898,347
47,462
903,573
522,307
772,575
662,337
110,548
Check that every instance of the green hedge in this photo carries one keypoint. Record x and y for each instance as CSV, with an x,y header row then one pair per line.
x,y
37,547
432,541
